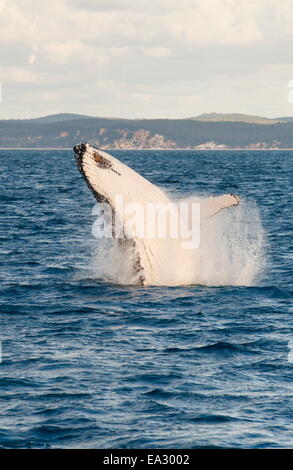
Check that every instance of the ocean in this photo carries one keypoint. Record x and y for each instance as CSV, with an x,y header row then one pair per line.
x,y
86,363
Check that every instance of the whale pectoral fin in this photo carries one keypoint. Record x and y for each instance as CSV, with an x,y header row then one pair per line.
x,y
215,204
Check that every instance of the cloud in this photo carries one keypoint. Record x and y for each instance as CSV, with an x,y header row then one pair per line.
x,y
67,52
17,75
146,57
157,51
31,59
212,21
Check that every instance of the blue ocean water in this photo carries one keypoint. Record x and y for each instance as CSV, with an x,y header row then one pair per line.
x,y
89,364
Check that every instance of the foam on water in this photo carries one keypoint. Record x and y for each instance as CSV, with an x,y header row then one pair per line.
x,y
231,252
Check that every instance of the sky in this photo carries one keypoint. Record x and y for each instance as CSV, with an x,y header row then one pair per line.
x,y
146,58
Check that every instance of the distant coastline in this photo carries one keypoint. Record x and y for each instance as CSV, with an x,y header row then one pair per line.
x,y
205,132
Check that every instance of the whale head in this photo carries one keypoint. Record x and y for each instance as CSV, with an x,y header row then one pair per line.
x,y
107,177
99,171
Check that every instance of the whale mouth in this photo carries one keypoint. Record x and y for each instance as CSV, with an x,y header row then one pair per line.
x,y
82,151
79,151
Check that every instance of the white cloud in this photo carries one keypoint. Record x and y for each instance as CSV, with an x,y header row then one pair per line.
x,y
216,22
17,75
31,59
144,56
63,53
15,25
157,51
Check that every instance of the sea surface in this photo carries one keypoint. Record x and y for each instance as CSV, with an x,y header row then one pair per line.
x,y
89,364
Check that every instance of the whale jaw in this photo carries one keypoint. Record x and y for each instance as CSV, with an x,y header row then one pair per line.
x,y
89,160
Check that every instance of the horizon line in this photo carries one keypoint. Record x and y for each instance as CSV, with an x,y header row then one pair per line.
x,y
194,117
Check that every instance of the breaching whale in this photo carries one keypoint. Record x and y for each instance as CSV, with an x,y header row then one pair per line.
x,y
148,258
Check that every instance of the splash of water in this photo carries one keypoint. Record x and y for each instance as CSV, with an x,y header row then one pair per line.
x,y
231,252
232,248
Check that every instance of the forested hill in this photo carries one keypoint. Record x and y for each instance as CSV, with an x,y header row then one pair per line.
x,y
66,130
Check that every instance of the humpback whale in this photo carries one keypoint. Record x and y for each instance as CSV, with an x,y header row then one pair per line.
x,y
147,257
